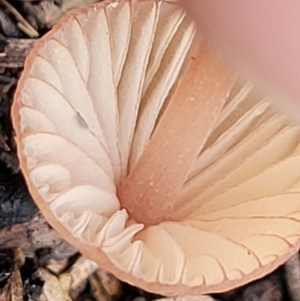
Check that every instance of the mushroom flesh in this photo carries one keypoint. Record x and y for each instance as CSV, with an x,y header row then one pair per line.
x,y
144,151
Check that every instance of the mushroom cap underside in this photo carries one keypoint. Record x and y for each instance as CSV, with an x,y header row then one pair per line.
x,y
91,96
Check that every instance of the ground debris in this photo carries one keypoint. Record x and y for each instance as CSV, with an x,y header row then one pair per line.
x,y
104,286
20,284
13,290
14,51
292,277
75,280
269,288
16,206
46,13
22,23
7,25
35,236
110,283
52,290
83,279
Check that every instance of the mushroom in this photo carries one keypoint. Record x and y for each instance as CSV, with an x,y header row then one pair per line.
x,y
149,155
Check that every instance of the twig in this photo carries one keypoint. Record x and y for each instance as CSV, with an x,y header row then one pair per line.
x,y
22,23
15,52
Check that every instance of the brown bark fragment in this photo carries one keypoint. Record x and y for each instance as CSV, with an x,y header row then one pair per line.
x,y
35,235
14,51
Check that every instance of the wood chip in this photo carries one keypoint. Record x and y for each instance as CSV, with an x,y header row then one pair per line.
x,y
52,289
65,283
16,286
80,271
56,267
109,282
13,290
97,289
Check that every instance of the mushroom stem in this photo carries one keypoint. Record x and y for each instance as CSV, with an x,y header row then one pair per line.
x,y
149,192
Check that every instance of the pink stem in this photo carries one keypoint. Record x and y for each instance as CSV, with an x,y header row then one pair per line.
x,y
149,192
